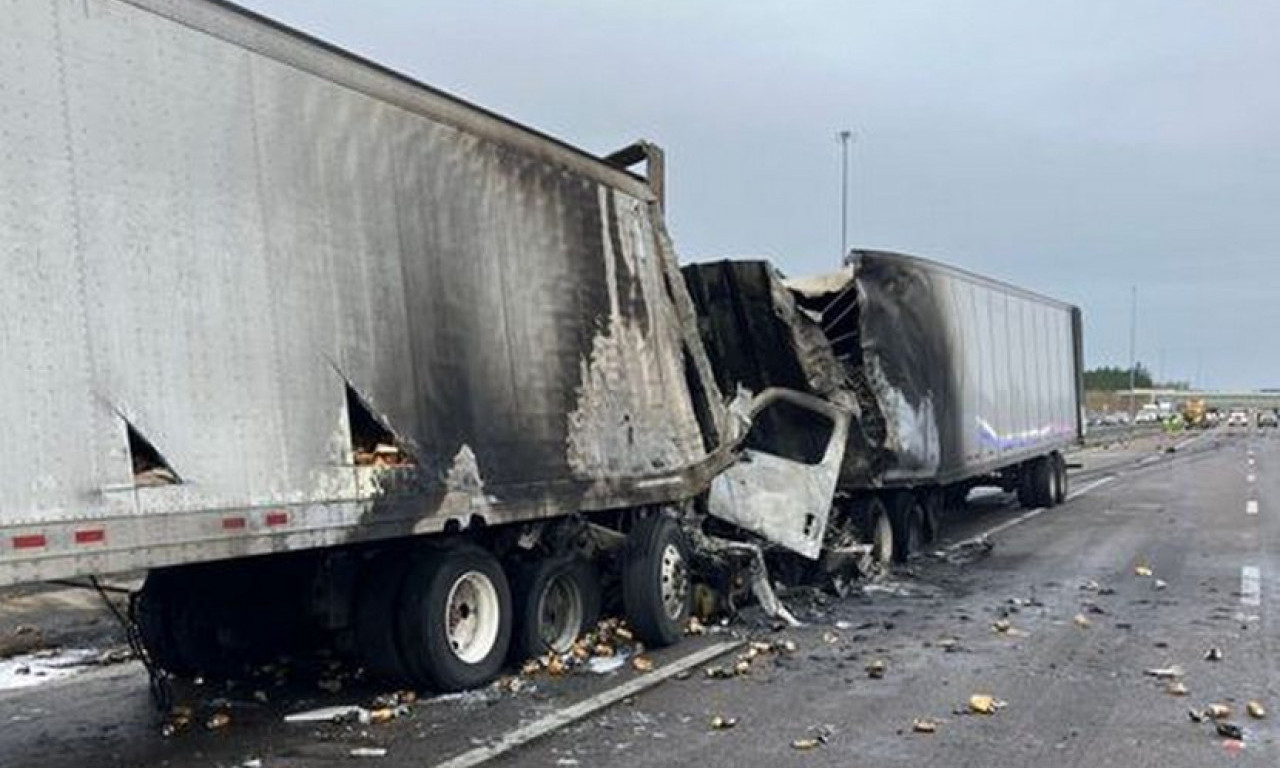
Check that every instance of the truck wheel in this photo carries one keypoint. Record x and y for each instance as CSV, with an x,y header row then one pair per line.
x,y
153,613
657,593
198,631
1060,467
907,520
1027,486
455,620
376,612
932,515
1044,482
556,599
872,522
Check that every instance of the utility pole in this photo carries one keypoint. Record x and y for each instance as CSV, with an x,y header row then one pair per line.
x,y
1133,366
845,137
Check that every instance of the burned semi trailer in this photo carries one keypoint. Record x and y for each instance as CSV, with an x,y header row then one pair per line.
x,y
328,352
949,380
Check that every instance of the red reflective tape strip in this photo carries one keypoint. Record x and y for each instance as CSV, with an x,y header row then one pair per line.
x,y
91,536
232,523
29,541
277,518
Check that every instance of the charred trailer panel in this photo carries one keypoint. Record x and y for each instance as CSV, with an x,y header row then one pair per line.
x,y
261,295
950,376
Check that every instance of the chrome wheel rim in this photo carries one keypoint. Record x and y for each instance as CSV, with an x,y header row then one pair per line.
x,y
675,581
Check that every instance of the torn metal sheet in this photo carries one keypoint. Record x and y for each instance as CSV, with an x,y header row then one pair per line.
x,y
787,501
758,571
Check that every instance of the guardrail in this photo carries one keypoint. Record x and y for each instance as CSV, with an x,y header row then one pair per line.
x,y
1112,433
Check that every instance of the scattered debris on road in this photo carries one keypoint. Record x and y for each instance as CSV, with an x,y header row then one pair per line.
x,y
722,723
1177,688
1217,711
1213,654
924,726
1164,673
1081,621
985,704
1230,731
1256,710
217,721
1142,569
875,669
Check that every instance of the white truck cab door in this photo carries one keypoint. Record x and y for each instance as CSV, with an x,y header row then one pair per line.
x,y
784,482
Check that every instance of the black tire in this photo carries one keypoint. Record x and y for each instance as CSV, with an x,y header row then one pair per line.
x,y
377,615
657,592
1043,482
153,612
1027,486
1060,466
933,515
572,583
873,523
199,631
474,579
907,518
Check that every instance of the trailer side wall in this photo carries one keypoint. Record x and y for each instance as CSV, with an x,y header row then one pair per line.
x,y
211,244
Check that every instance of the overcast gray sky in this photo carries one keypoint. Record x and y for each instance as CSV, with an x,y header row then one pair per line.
x,y
1076,148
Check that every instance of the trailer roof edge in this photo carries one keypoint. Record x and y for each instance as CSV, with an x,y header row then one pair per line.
x,y
270,38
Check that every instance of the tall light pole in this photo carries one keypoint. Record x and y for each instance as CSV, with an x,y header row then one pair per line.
x,y
845,137
1133,366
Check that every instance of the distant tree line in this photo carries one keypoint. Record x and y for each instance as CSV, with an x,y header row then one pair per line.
x,y
1111,377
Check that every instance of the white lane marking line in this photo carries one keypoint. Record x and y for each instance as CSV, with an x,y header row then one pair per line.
x,y
1251,461
1025,516
1250,585
1077,493
1251,478
1251,507
545,725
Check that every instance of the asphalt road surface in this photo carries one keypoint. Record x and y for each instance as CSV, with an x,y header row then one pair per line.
x,y
1073,692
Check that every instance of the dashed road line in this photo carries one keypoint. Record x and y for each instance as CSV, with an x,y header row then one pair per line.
x,y
1250,585
1251,478
1028,515
1251,507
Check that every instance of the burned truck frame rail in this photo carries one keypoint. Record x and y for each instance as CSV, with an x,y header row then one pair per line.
x,y
261,295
